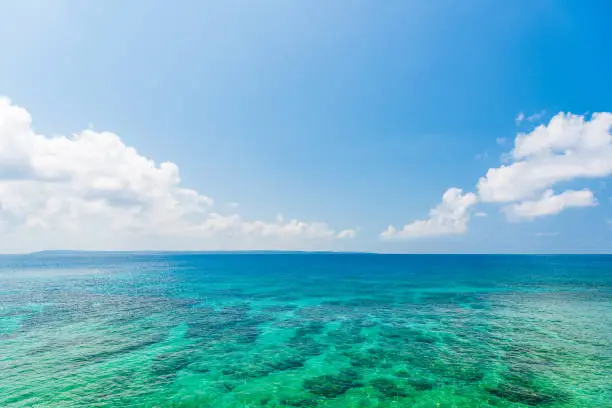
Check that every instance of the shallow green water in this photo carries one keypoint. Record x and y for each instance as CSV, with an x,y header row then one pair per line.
x,y
305,331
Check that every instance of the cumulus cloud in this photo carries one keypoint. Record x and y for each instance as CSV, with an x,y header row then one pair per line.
x,y
569,148
92,188
550,204
448,218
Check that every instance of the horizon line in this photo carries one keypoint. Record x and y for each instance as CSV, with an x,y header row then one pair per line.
x,y
298,252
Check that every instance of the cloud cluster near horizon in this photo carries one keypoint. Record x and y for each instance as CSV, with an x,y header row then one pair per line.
x,y
448,218
570,147
91,190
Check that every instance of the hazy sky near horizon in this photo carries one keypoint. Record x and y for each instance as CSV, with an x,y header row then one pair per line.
x,y
402,126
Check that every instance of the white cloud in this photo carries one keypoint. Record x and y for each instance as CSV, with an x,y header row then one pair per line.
x,y
521,117
501,141
481,214
569,148
90,190
536,116
550,204
347,233
233,224
448,218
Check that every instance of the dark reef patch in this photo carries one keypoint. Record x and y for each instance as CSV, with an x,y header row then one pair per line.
x,y
300,403
370,358
332,386
306,346
169,364
519,389
420,384
388,388
309,329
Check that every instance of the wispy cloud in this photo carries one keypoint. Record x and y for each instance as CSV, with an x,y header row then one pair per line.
x,y
482,156
521,117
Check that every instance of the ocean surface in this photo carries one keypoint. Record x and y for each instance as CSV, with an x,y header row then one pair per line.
x,y
305,330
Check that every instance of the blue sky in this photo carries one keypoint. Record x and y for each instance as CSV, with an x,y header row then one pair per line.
x,y
357,114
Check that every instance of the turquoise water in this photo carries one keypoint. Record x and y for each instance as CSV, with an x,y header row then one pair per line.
x,y
305,330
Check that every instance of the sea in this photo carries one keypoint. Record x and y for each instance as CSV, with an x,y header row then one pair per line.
x,y
290,330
